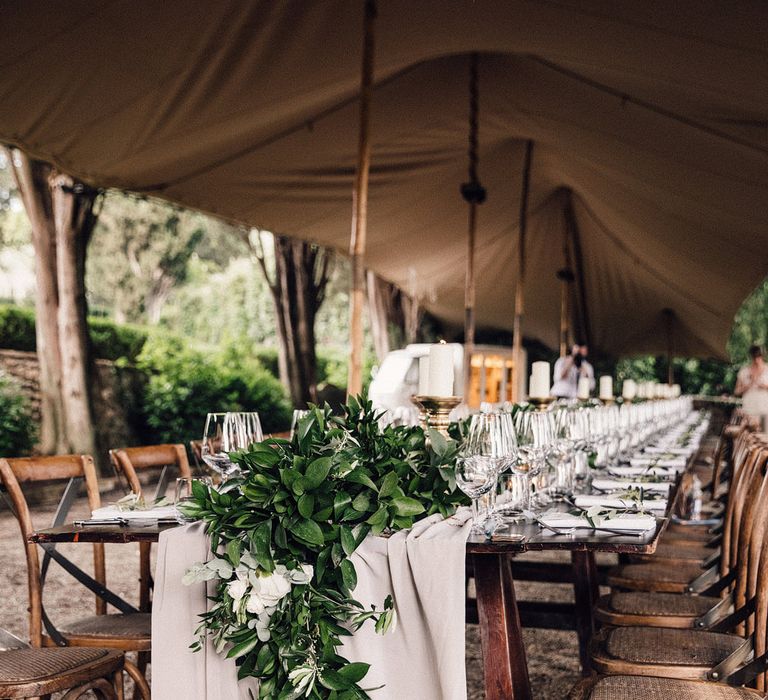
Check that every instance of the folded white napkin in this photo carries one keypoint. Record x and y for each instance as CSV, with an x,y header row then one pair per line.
x,y
622,521
113,512
643,470
674,463
654,504
624,484
684,451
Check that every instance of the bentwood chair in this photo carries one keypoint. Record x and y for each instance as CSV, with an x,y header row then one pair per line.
x,y
708,610
685,577
746,665
29,673
127,631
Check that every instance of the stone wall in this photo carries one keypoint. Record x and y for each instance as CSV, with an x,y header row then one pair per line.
x,y
116,396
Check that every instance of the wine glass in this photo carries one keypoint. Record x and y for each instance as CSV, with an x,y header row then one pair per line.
x,y
225,433
483,455
535,437
298,414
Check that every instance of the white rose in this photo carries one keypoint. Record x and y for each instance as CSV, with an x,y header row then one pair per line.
x,y
236,589
255,604
272,588
302,575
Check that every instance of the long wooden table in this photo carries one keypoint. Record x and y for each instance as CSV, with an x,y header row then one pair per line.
x,y
504,659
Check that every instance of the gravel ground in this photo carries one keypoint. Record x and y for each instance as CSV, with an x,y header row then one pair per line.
x,y
552,655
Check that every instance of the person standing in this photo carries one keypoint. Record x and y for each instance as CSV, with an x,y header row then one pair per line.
x,y
752,386
568,371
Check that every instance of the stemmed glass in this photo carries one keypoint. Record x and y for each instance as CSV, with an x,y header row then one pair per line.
x,y
535,438
225,433
483,455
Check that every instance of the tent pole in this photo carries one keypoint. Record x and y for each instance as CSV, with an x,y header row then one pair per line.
x,y
517,338
474,194
578,262
566,278
360,209
669,319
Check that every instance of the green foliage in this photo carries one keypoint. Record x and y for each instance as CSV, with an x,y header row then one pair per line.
x,y
750,327
184,385
303,508
110,341
17,428
695,376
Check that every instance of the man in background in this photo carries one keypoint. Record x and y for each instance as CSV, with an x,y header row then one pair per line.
x,y
568,371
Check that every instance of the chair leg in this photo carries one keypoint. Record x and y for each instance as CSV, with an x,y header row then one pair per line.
x,y
101,687
117,680
141,689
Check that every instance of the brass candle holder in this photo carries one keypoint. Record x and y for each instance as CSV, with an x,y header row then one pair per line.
x,y
541,403
434,411
609,402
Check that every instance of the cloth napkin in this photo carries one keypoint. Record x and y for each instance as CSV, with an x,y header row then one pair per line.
x,y
684,451
677,464
159,513
624,484
422,569
621,521
663,472
655,504
178,672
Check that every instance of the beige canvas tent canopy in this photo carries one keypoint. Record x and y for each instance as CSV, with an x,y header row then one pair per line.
x,y
649,122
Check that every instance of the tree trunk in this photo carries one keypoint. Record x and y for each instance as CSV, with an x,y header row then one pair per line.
x,y
61,213
379,313
32,180
395,316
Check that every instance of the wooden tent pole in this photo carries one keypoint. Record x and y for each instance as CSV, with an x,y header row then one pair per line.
x,y
474,194
566,279
517,338
360,209
669,319
578,263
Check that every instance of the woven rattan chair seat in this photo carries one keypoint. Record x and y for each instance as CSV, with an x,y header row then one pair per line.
x,y
675,550
639,603
136,626
648,688
660,645
683,572
29,665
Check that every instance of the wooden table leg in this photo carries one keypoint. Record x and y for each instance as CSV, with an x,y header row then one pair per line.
x,y
586,592
504,662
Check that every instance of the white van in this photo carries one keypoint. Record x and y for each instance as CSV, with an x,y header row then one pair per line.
x,y
397,378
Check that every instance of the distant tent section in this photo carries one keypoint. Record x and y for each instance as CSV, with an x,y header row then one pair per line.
x,y
649,123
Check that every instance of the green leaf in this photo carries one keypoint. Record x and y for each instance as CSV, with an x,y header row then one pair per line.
x,y
243,648
379,518
306,505
347,540
317,472
309,531
261,545
407,506
340,501
233,552
388,485
358,476
438,441
348,574
333,680
361,503
199,490
354,672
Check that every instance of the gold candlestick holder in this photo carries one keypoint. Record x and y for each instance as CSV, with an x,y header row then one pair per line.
x,y
609,402
541,403
434,411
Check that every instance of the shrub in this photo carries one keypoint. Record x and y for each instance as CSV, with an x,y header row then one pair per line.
x,y
183,385
110,341
17,428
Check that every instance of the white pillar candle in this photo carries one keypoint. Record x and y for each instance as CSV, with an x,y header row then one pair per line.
x,y
441,370
676,390
582,391
538,387
606,387
629,389
424,375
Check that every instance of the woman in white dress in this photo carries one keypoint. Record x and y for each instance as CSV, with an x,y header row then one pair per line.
x,y
752,386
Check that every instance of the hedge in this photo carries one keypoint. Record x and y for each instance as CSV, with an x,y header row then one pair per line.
x,y
17,429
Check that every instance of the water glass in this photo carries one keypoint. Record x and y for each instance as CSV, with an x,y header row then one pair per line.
x,y
298,414
185,494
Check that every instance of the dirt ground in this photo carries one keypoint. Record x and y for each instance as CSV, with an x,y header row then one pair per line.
x,y
552,655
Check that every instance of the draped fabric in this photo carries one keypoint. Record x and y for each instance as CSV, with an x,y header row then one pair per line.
x,y
650,125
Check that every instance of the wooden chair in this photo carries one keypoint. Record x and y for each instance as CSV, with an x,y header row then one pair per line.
x,y
680,578
695,652
746,666
129,461
127,631
30,673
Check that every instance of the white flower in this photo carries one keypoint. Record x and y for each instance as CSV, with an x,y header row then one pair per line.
x,y
255,604
237,589
303,575
272,588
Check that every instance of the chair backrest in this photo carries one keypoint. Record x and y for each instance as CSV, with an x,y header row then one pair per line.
x,y
14,473
128,461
